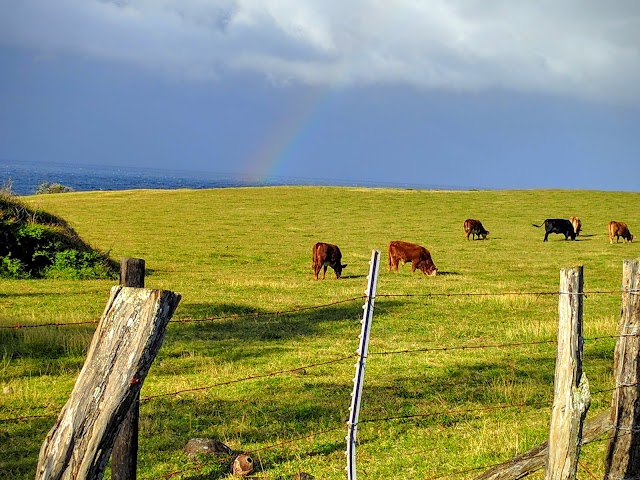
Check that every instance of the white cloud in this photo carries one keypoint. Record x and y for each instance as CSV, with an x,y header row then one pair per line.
x,y
584,48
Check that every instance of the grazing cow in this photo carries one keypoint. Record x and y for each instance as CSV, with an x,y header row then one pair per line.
x,y
419,257
327,255
474,228
619,229
577,224
558,225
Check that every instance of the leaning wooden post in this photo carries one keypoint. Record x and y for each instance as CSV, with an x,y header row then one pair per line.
x,y
623,453
124,457
570,387
123,347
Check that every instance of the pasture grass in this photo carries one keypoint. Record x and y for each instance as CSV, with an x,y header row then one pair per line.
x,y
238,255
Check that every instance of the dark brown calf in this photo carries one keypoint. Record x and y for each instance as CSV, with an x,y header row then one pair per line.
x,y
475,229
327,255
419,257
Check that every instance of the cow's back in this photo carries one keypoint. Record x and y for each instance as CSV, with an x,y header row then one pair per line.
x,y
405,251
326,252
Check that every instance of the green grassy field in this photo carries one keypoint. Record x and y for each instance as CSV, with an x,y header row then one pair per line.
x,y
247,252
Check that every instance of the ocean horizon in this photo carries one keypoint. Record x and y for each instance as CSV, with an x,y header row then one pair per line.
x,y
23,178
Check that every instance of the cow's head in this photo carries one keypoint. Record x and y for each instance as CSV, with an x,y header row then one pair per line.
x,y
428,268
339,268
484,234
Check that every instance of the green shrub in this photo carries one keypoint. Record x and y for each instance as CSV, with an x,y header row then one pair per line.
x,y
46,187
36,244
72,264
12,268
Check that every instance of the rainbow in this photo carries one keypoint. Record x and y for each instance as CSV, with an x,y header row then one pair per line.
x,y
281,140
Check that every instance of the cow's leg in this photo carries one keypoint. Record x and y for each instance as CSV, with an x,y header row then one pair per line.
x,y
546,236
392,264
324,271
414,264
316,270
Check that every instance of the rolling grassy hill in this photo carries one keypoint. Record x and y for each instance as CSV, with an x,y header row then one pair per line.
x,y
239,255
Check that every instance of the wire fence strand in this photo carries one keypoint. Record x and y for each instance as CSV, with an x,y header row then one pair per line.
x,y
18,326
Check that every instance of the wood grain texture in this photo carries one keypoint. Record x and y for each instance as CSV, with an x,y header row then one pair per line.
x,y
123,347
571,396
623,452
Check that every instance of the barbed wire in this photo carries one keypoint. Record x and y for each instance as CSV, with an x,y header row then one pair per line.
x,y
19,326
25,417
318,364
233,316
252,377
265,314
151,397
497,294
453,412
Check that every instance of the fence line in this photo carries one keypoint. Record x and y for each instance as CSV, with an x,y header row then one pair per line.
x,y
328,362
151,397
234,316
19,326
253,377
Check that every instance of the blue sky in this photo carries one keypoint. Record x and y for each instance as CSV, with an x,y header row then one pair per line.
x,y
493,94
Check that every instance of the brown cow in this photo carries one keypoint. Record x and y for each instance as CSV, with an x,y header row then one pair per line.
x,y
327,255
419,257
577,224
475,229
619,229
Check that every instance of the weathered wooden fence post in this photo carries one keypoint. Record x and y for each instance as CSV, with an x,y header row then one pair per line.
x,y
124,457
571,396
623,453
123,347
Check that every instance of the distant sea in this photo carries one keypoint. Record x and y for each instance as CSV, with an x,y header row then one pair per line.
x,y
25,177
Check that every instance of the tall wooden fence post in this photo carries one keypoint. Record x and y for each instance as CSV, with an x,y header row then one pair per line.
x,y
571,396
623,453
126,342
124,457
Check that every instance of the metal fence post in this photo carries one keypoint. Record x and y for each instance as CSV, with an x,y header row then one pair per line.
x,y
358,380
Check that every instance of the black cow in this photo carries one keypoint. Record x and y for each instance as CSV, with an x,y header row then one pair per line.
x,y
327,255
558,225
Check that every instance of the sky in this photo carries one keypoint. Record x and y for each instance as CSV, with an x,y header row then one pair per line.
x,y
477,94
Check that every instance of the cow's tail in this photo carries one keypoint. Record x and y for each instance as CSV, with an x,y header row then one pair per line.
x,y
537,226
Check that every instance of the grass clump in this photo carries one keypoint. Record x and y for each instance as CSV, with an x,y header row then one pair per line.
x,y
36,244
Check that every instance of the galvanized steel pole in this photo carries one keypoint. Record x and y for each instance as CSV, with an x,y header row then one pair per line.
x,y
358,380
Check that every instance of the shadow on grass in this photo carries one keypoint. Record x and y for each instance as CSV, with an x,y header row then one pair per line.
x,y
248,324
303,414
301,419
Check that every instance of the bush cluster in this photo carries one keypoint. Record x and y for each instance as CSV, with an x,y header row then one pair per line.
x,y
46,187
35,244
